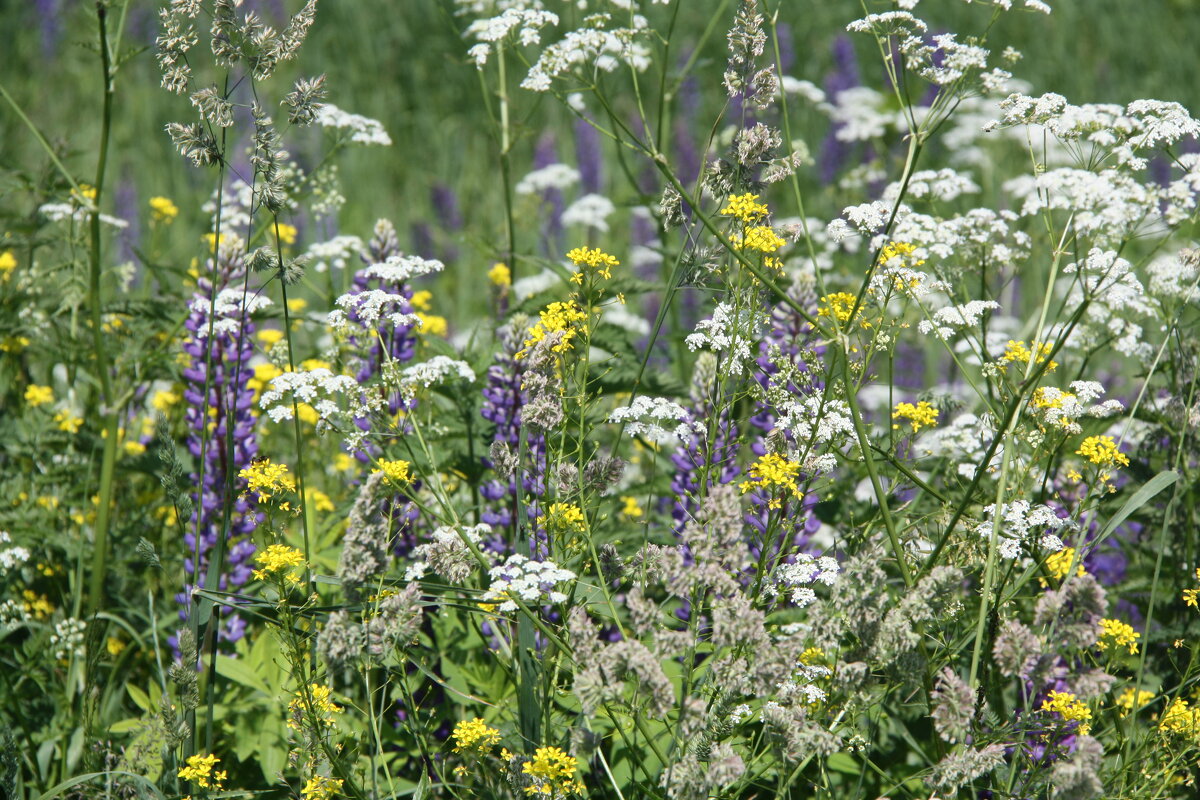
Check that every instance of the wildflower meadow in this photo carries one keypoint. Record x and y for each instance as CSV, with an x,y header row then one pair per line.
x,y
614,399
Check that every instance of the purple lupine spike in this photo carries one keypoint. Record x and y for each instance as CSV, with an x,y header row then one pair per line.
x,y
226,407
125,206
588,157
502,402
718,456
545,153
787,46
445,203
789,339
845,75
422,240
49,17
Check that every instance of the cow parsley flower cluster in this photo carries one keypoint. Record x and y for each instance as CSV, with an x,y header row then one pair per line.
x,y
644,417
1023,525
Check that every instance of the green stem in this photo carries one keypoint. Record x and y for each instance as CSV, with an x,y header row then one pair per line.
x,y
109,409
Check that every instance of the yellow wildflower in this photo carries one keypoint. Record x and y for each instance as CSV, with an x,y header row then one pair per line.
x,y
474,735
278,558
199,770
1102,450
319,500
162,400
745,208
1129,698
269,337
266,479
1069,708
421,300
563,516
297,305
773,470
595,258
323,707
1017,352
343,462
68,422
919,416
812,655
901,250
630,509
287,233
1118,634
760,238
553,772
318,787
556,317
133,448
38,395
432,325
1180,720
114,646
500,275
1059,564
838,305
1191,597
37,604
13,344
8,262
395,471
163,210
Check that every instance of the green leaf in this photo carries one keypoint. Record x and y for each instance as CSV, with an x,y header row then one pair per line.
x,y
238,671
1142,496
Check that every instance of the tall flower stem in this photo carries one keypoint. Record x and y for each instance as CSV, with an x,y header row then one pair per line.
x,y
109,409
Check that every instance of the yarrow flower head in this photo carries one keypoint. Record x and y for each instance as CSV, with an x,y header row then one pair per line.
x,y
529,580
474,736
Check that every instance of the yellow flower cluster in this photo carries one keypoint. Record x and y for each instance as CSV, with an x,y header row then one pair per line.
x,y
38,395
921,415
199,770
8,262
1180,720
553,772
902,250
563,516
838,305
278,558
1069,708
595,258
163,210
1059,564
266,479
556,317
773,470
1191,597
1017,352
323,707
67,421
745,208
287,233
630,508
475,736
1127,699
500,275
760,238
432,325
1119,634
319,787
1102,450
395,471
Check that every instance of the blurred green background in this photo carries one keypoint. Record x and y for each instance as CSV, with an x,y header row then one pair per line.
x,y
403,62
